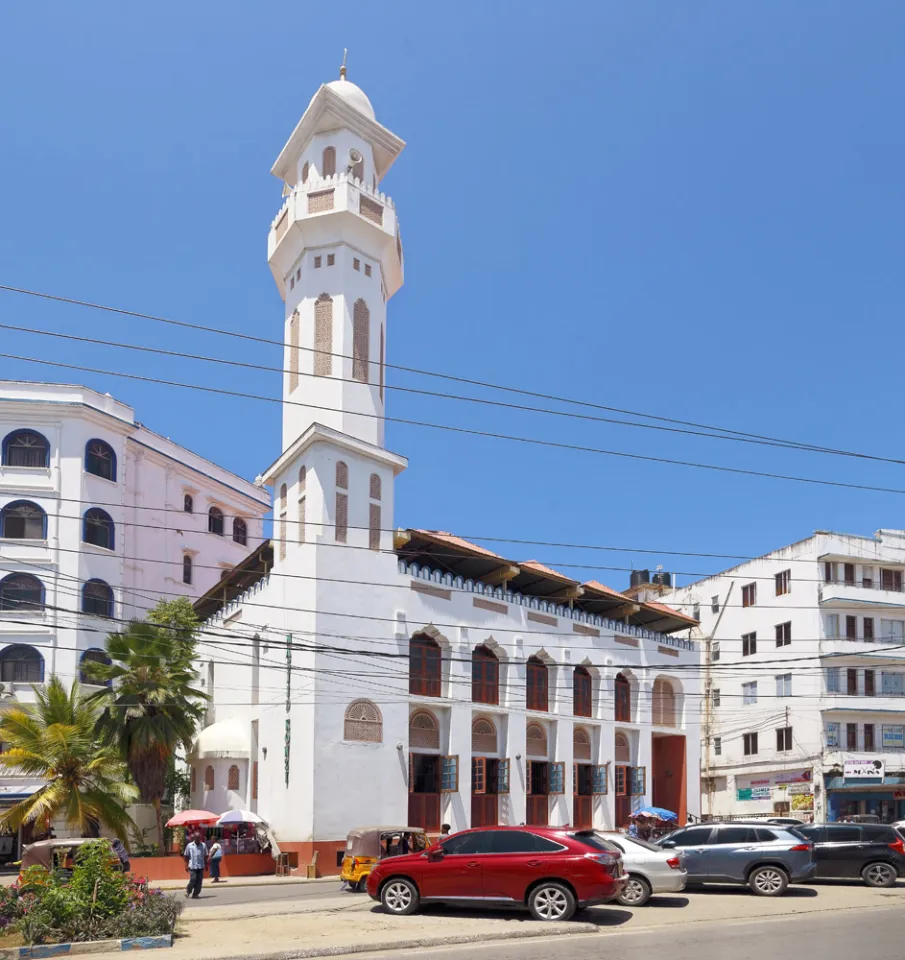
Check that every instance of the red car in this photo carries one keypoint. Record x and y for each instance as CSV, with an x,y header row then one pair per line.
x,y
553,871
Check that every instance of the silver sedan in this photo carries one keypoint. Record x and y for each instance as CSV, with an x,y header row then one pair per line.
x,y
650,869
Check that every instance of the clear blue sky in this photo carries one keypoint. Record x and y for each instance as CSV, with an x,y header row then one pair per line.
x,y
691,209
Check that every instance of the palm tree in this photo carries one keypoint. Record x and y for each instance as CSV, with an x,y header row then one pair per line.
x,y
150,706
55,740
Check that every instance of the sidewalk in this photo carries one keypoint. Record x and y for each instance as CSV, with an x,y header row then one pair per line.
x,y
268,881
351,924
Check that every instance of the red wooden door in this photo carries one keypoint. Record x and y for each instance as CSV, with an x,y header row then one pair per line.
x,y
623,811
582,812
538,810
424,811
484,810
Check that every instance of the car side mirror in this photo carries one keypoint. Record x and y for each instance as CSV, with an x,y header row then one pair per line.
x,y
669,844
434,855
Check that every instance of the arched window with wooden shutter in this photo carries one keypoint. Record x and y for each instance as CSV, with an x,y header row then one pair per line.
x,y
329,162
581,744
323,336
485,675
361,340
424,730
232,778
538,684
363,722
623,692
623,751
425,667
581,692
483,736
536,740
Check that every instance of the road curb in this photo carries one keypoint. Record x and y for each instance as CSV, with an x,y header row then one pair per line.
x,y
91,946
422,943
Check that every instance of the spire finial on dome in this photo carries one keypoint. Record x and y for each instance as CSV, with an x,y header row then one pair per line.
x,y
342,69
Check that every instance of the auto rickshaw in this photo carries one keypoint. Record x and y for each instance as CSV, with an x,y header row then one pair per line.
x,y
60,854
366,845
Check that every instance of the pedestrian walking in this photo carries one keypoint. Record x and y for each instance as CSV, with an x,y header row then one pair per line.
x,y
195,855
215,856
444,829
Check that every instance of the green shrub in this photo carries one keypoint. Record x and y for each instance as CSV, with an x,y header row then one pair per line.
x,y
150,914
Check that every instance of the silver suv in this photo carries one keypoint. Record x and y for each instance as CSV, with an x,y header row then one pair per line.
x,y
766,858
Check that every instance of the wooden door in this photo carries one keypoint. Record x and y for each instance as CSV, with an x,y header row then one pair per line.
x,y
484,810
538,810
582,814
623,811
424,811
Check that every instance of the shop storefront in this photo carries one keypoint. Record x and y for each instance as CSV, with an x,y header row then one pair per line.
x,y
864,789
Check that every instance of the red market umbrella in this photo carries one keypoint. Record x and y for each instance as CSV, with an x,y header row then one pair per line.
x,y
192,818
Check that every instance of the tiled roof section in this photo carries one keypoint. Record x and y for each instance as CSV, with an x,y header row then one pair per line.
x,y
441,536
536,567
604,589
669,611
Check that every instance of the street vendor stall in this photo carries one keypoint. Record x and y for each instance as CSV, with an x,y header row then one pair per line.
x,y
648,823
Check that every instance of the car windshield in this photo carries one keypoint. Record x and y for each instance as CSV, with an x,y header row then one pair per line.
x,y
595,841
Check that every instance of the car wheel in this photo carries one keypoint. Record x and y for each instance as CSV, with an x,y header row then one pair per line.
x,y
359,885
768,881
636,893
400,897
879,875
551,901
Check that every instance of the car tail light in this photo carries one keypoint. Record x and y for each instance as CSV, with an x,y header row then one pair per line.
x,y
674,863
609,860
802,847
898,846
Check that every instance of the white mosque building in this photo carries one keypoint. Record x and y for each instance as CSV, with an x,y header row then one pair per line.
x,y
361,675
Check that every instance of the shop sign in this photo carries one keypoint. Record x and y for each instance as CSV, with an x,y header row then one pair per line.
x,y
754,793
863,769
833,733
795,776
893,736
803,802
799,788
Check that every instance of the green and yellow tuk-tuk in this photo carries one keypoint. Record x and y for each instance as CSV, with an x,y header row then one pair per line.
x,y
366,845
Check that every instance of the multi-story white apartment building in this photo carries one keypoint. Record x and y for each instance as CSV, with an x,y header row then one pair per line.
x,y
99,519
805,679
410,677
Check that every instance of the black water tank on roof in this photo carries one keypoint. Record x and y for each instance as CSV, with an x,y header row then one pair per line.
x,y
639,577
662,578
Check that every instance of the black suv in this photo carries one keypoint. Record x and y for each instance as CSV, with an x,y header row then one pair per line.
x,y
847,851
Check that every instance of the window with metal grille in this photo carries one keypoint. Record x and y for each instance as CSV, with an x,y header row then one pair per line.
x,y
25,448
535,740
232,778
323,336
361,339
342,518
538,684
483,736
581,692
21,591
363,722
374,526
98,528
425,667
21,664
485,676
23,520
97,598
100,459
374,487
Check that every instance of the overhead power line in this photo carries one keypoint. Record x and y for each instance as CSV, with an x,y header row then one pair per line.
x,y
795,444
466,431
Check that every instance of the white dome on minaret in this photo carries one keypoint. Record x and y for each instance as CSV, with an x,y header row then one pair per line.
x,y
354,95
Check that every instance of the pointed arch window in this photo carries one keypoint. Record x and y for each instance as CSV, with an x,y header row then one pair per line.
x,y
323,336
23,520
232,778
100,459
425,667
240,531
341,532
300,520
361,340
98,529
215,521
97,598
485,675
538,684
363,722
21,591
623,699
664,703
329,162
21,664
581,692
26,448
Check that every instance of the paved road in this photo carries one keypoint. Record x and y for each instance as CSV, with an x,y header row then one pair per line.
x,y
223,895
872,935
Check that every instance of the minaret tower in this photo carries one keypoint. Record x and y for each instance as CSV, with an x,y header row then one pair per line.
x,y
336,255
